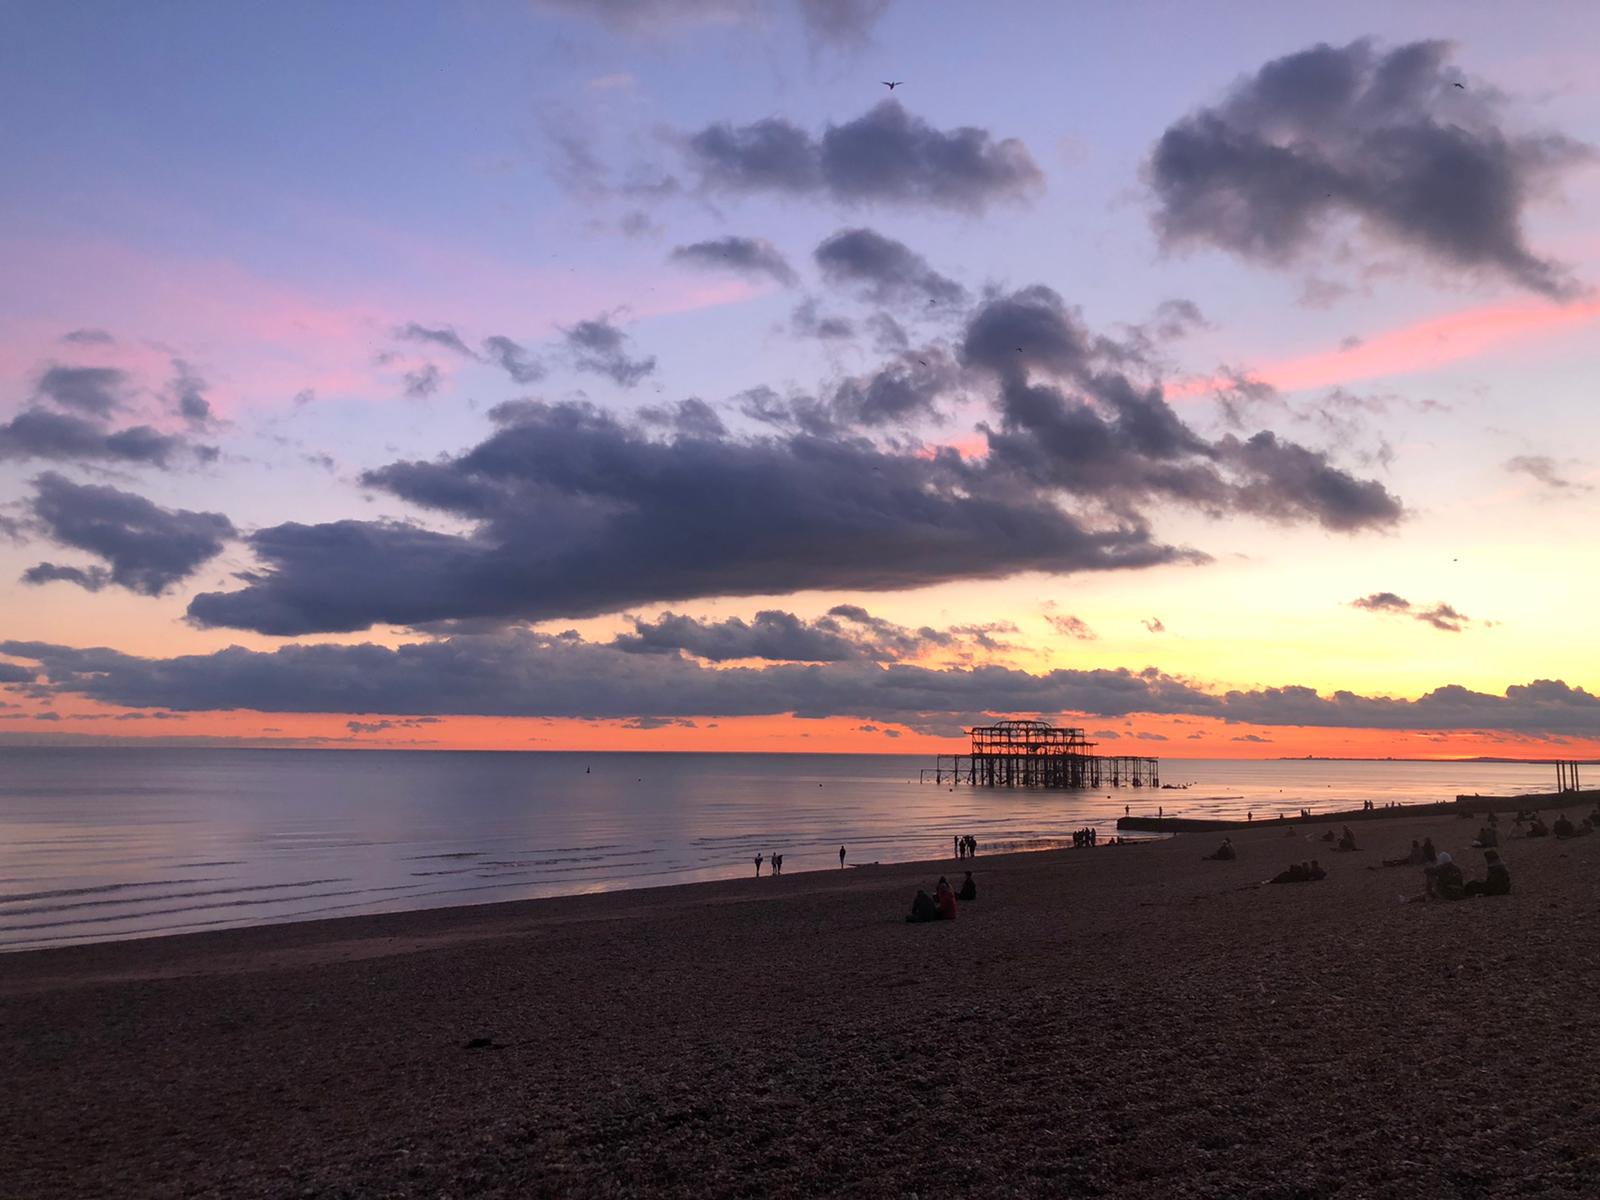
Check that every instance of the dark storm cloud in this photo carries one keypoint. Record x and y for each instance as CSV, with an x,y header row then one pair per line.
x,y
512,358
1548,471
88,337
1440,616
1071,418
841,23
148,548
772,634
1383,137
93,391
90,579
806,321
575,513
384,726
845,632
884,270
654,14
16,673
906,387
885,155
690,418
62,437
189,394
828,24
600,347
423,382
528,675
445,337
755,258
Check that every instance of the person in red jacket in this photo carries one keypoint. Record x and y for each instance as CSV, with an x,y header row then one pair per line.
x,y
945,897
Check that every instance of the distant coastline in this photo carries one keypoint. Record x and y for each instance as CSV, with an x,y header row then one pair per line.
x,y
1481,758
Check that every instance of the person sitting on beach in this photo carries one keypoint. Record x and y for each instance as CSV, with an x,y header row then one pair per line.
x,y
1487,837
1315,872
1537,828
1564,828
1494,819
945,897
1347,840
969,889
1329,836
923,909
1413,859
1496,883
1224,852
1429,854
1295,873
1444,879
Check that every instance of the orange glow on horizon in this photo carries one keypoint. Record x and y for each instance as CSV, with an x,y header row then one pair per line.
x,y
1153,735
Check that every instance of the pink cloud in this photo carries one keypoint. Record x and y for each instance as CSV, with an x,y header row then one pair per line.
x,y
1422,346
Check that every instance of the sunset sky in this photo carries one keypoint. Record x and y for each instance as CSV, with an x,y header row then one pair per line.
x,y
625,375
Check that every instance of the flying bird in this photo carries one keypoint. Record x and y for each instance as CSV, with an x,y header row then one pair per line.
x,y
1462,86
892,86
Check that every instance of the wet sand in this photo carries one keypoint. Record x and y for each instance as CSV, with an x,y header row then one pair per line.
x,y
1125,1021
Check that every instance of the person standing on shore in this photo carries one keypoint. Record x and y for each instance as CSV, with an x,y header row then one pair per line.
x,y
956,842
841,858
758,866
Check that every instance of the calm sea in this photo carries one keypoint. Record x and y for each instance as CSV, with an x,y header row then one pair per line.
x,y
99,844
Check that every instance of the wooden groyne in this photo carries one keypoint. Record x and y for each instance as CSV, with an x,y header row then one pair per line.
x,y
1580,802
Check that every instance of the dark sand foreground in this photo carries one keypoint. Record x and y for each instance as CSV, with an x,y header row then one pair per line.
x,y
1124,1021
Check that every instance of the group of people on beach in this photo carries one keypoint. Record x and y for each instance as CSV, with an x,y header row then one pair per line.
x,y
941,906
1443,878
966,846
1087,836
775,859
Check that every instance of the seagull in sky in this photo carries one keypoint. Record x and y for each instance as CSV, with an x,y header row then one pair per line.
x,y
1462,86
891,86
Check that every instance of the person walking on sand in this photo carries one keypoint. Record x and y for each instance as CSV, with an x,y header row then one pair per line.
x,y
758,866
841,858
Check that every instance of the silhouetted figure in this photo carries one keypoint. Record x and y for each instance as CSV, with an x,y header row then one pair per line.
x,y
1497,882
945,897
758,866
1223,853
892,84
1564,828
1316,872
1328,836
1537,828
1487,837
972,846
1413,859
1429,854
777,864
1294,873
956,842
1347,840
969,889
841,858
923,909
1444,879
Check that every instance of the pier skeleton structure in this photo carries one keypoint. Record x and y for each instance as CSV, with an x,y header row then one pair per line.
x,y
1034,754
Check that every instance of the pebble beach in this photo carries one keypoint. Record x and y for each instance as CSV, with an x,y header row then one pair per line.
x,y
1123,1021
